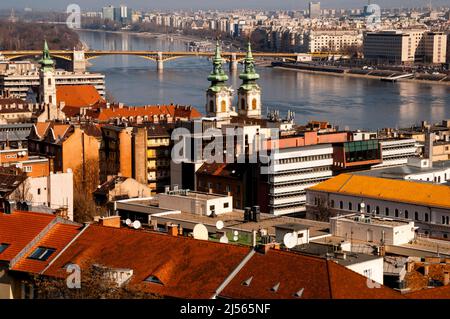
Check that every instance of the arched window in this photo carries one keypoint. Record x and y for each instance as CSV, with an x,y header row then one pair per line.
x,y
341,205
368,209
243,104
396,212
359,207
426,217
350,206
211,106
386,211
378,210
406,214
254,104
224,106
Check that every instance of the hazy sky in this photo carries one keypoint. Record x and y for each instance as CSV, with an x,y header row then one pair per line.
x,y
211,4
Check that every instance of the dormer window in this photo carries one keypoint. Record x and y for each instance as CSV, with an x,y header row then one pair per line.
x,y
154,280
42,253
3,247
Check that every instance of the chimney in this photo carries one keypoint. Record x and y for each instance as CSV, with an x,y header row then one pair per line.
x,y
409,266
247,214
446,278
172,230
256,214
426,270
210,190
112,221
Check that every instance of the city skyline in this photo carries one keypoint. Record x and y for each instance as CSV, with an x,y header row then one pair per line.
x,y
232,4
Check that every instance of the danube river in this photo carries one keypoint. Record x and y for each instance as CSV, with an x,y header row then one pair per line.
x,y
347,102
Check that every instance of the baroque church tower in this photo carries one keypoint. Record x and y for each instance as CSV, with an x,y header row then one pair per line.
x,y
249,93
47,87
219,95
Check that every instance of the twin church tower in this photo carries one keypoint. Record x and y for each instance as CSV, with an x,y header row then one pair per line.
x,y
219,96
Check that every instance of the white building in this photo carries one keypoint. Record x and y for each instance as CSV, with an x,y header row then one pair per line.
x,y
196,202
54,191
428,205
397,152
372,229
291,171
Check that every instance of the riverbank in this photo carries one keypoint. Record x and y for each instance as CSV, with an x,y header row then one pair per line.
x,y
151,35
363,76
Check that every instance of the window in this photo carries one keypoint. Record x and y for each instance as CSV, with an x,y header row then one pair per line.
x,y
243,104
406,214
332,203
254,103
27,169
426,217
396,212
386,211
416,216
42,253
39,191
224,106
341,205
49,81
211,106
228,188
350,206
368,209
226,205
378,210
154,280
3,247
212,207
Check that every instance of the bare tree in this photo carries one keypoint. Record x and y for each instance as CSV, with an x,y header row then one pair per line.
x,y
23,192
96,283
85,180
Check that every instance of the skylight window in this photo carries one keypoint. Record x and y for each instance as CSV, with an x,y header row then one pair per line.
x,y
42,253
3,247
154,280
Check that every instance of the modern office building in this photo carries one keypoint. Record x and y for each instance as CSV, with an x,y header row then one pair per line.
x,y
406,46
314,9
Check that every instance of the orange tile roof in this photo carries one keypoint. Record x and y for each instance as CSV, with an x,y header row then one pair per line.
x,y
104,114
18,229
319,278
41,128
431,293
78,95
57,237
60,130
188,268
418,193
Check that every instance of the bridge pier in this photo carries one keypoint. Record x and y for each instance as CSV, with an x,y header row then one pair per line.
x,y
160,62
233,63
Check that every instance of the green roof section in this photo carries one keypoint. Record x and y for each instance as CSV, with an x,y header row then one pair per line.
x,y
46,62
249,75
218,77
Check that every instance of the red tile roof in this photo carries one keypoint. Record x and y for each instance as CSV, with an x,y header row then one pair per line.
x,y
431,293
78,95
188,268
175,112
20,228
57,238
41,128
319,278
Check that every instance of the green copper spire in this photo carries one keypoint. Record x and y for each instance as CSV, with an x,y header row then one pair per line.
x,y
218,76
46,62
249,76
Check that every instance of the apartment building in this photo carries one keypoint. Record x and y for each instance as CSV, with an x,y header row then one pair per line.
x,y
428,205
396,152
330,41
406,46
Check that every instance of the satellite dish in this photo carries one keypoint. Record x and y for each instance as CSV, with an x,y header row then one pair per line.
x,y
290,240
235,238
128,222
219,225
136,224
224,239
200,232
236,233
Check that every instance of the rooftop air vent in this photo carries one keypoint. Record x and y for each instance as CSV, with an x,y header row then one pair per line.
x,y
299,293
247,282
275,288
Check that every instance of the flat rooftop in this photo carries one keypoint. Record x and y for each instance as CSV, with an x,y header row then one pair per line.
x,y
381,221
235,221
399,172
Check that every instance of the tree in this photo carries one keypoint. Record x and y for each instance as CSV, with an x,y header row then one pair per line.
x,y
22,192
96,283
85,180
